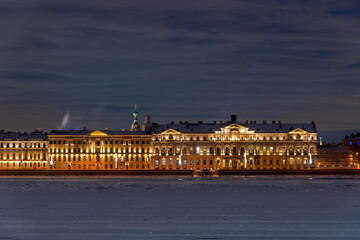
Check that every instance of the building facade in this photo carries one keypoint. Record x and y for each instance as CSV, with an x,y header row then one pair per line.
x,y
99,150
233,146
22,151
334,157
230,145
352,143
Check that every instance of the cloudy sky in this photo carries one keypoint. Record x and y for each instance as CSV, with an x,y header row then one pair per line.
x,y
294,61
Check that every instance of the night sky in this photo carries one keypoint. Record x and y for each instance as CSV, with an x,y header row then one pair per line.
x,y
295,61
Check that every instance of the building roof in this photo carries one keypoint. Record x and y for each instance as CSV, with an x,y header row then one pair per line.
x,y
88,132
212,127
35,136
22,136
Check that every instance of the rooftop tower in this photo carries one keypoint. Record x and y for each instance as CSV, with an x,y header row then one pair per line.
x,y
135,126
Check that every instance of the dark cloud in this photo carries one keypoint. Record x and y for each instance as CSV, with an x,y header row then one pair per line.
x,y
179,60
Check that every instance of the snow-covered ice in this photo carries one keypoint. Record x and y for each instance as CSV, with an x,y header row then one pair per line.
x,y
266,207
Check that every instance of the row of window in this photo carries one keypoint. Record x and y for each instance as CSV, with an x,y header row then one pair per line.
x,y
227,151
23,145
228,162
106,158
20,164
97,150
99,142
269,138
13,156
97,166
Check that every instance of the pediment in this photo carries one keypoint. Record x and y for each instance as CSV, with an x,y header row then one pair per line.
x,y
236,126
170,131
98,133
298,131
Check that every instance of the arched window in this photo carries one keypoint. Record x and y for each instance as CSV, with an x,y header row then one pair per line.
x,y
211,150
156,151
171,137
242,151
184,151
163,151
170,151
312,150
227,151
177,151
305,151
234,151
291,151
218,152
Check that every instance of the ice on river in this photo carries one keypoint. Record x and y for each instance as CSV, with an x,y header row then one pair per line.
x,y
266,207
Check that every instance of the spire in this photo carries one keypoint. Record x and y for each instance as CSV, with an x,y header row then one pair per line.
x,y
135,126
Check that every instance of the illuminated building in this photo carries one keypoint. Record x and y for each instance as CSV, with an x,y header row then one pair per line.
x,y
234,145
183,146
22,151
99,150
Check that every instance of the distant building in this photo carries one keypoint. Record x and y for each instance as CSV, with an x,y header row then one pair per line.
x,y
334,157
352,143
21,151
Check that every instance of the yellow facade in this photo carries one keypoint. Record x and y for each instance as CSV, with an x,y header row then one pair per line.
x,y
98,150
23,151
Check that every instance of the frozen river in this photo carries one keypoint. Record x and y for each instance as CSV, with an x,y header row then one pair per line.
x,y
279,207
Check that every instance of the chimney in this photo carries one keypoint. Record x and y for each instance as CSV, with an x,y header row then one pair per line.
x,y
233,118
